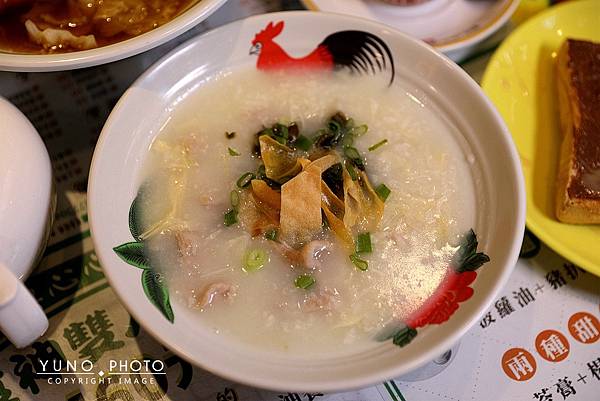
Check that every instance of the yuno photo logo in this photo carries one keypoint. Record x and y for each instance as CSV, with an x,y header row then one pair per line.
x,y
121,371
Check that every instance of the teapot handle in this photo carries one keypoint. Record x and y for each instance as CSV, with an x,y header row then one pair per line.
x,y
22,319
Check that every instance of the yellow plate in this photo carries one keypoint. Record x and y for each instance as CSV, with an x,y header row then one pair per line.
x,y
521,81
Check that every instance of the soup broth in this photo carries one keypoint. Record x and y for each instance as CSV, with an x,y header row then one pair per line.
x,y
56,26
208,143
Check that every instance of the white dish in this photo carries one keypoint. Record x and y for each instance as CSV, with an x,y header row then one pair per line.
x,y
114,52
500,224
453,27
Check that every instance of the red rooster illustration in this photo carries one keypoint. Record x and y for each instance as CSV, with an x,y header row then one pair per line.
x,y
361,52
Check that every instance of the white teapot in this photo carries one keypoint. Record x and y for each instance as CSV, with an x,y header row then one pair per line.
x,y
27,203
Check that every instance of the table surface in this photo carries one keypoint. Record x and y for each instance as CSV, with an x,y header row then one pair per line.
x,y
509,356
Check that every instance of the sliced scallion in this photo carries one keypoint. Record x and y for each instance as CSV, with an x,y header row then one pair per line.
x,y
230,217
283,131
271,234
234,197
354,156
261,172
303,143
351,171
360,130
363,243
233,152
305,281
348,140
255,259
382,191
351,153
334,126
245,179
359,263
377,145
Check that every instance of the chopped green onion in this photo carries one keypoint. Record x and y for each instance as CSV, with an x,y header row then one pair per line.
x,y
279,132
245,179
348,140
271,234
334,126
304,281
234,197
303,143
254,260
354,156
377,145
363,243
229,135
351,153
382,191
266,131
351,171
359,263
360,130
230,217
282,131
261,172
233,152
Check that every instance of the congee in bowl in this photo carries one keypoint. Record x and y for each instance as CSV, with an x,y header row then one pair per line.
x,y
332,208
279,205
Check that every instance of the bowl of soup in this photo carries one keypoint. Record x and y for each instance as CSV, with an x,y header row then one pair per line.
x,y
51,35
306,209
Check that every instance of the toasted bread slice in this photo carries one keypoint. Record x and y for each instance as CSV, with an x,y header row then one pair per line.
x,y
578,185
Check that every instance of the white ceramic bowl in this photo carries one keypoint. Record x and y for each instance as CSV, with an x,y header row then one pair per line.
x,y
117,51
453,27
137,118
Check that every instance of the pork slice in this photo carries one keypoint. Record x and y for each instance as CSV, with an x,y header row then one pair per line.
x,y
213,292
323,300
187,242
309,256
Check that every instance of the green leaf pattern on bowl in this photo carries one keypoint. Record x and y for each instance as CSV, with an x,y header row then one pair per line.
x,y
134,254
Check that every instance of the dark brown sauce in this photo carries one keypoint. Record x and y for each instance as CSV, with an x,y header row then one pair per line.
x,y
13,36
62,14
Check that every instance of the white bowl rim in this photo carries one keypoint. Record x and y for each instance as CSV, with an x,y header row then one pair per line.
x,y
17,62
369,378
481,34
